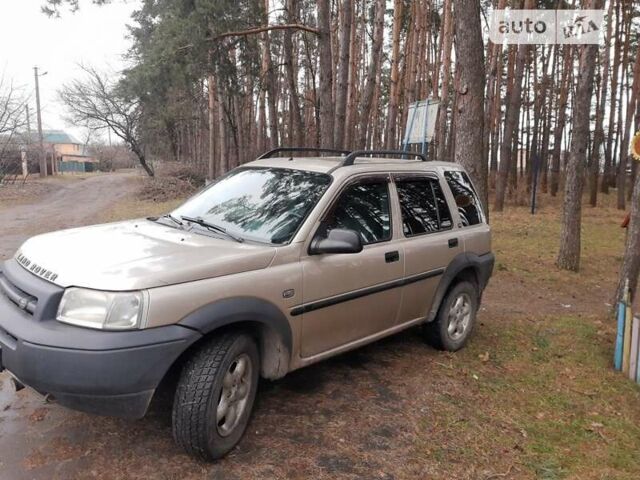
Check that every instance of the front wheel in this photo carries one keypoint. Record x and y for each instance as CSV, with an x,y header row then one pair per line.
x,y
215,396
456,317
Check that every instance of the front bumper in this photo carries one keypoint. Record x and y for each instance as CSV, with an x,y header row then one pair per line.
x,y
110,373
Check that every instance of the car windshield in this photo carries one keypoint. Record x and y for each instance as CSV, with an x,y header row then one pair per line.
x,y
260,204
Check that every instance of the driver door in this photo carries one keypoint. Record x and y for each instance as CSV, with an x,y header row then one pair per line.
x,y
347,296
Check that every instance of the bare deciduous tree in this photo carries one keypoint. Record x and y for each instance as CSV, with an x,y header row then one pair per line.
x,y
12,119
99,103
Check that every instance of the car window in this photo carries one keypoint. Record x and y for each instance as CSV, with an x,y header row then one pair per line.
x,y
363,207
423,205
467,201
260,204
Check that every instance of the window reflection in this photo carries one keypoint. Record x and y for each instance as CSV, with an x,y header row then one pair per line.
x,y
466,199
424,208
261,204
364,208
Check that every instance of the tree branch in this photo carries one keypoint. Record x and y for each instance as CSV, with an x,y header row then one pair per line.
x,y
267,28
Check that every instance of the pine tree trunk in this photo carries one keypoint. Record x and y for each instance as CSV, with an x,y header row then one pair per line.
x,y
447,42
631,261
511,122
268,78
608,176
374,63
325,73
569,254
598,136
493,88
342,80
354,59
211,90
469,107
560,121
394,94
546,131
296,128
626,136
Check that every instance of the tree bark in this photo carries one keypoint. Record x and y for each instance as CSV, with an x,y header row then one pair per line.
x,y
374,63
296,129
211,90
354,60
631,261
598,136
560,121
546,132
493,87
569,254
394,93
468,129
342,80
447,42
511,122
607,177
268,79
326,74
624,146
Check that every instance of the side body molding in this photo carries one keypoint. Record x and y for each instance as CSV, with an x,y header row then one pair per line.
x,y
482,267
274,330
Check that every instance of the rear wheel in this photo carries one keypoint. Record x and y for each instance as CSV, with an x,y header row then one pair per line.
x,y
215,396
456,318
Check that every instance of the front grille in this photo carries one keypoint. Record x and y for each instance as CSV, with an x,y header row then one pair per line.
x,y
23,300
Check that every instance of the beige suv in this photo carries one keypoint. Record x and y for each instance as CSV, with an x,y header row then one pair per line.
x,y
280,263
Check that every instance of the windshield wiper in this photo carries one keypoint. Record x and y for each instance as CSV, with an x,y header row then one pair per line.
x,y
216,228
169,216
172,218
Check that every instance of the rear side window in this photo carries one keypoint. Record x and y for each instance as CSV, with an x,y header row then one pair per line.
x,y
469,206
363,207
423,205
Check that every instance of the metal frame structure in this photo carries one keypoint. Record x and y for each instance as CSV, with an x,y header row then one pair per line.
x,y
351,158
273,152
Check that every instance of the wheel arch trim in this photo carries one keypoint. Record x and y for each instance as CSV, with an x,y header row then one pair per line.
x,y
276,338
482,267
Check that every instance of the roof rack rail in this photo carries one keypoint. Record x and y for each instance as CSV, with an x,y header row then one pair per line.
x,y
351,158
271,153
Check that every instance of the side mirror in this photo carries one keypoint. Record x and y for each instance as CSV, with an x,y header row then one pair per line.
x,y
338,241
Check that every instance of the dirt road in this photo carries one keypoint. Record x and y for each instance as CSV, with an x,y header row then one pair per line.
x,y
72,203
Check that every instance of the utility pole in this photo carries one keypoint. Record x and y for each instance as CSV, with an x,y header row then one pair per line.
x,y
28,121
25,151
43,160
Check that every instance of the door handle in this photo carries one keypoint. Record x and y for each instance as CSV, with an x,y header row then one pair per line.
x,y
453,242
391,257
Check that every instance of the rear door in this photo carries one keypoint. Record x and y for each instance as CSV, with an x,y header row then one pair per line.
x,y
473,227
429,241
348,297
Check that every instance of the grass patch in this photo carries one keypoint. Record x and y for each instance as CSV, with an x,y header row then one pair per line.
x,y
132,208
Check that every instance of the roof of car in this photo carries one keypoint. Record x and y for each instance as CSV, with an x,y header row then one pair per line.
x,y
364,164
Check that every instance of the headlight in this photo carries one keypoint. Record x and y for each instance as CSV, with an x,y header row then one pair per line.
x,y
102,310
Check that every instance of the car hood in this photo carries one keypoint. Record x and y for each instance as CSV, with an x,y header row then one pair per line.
x,y
136,254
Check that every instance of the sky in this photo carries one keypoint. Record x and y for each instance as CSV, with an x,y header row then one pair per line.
x,y
95,36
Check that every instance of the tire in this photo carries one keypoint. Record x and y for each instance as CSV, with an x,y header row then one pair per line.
x,y
201,424
444,335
